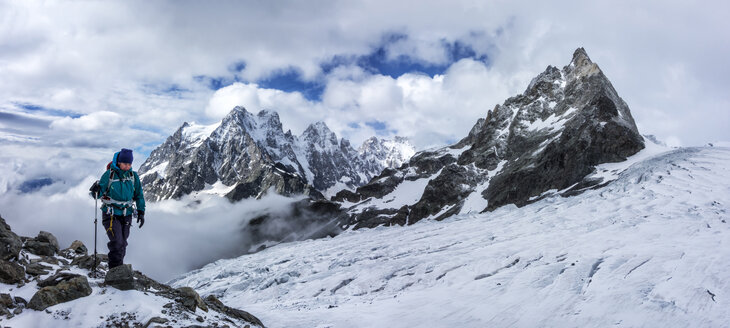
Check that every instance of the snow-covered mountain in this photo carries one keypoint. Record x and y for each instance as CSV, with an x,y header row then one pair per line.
x,y
246,154
378,154
649,249
546,140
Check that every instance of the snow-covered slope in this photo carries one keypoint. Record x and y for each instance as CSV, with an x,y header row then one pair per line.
x,y
650,249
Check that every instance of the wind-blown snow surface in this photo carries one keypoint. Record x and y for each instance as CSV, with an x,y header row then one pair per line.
x,y
651,249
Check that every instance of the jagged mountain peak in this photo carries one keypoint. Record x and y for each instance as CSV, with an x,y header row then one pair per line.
x,y
237,112
549,137
320,134
319,128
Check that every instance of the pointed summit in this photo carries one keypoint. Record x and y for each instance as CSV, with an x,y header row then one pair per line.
x,y
319,133
581,65
580,57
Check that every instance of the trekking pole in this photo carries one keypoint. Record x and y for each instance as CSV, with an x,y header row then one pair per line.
x,y
96,210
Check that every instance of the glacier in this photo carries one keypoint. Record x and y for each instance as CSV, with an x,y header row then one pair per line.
x,y
649,249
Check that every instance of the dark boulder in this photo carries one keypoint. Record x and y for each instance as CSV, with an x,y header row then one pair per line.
x,y
56,279
77,248
37,269
11,272
191,300
64,291
45,244
7,301
20,301
120,277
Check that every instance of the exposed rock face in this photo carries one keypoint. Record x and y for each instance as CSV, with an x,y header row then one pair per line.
x,y
64,291
550,137
329,160
10,242
245,155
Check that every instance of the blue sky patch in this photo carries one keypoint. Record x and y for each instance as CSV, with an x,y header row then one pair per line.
x,y
377,125
378,61
45,110
290,80
214,83
381,128
34,185
237,67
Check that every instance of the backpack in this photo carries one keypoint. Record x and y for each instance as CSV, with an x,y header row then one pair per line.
x,y
96,187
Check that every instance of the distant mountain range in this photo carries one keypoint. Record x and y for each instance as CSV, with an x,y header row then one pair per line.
x,y
247,154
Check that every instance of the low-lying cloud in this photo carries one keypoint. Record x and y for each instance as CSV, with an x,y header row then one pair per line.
x,y
178,236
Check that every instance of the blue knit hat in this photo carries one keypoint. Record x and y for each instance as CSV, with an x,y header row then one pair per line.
x,y
125,156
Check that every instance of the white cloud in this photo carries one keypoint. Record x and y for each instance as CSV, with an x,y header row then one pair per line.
x,y
412,105
175,238
89,122
88,57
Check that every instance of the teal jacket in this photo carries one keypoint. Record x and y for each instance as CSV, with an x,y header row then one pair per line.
x,y
123,189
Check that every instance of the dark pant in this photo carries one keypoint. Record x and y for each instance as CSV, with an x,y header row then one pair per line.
x,y
117,229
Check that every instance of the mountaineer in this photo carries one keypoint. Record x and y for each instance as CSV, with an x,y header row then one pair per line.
x,y
120,191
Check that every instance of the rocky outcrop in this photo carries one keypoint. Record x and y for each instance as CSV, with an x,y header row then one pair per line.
x,y
10,242
58,281
550,137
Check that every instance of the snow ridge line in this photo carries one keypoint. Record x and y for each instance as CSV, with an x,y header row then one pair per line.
x,y
487,275
636,267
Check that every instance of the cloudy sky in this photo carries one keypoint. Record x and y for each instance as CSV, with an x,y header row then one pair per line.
x,y
82,79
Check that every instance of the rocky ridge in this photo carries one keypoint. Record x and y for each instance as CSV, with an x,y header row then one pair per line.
x,y
546,140
42,283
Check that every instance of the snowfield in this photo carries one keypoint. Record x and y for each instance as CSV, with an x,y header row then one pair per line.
x,y
651,249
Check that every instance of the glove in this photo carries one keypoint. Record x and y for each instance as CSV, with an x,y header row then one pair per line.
x,y
95,189
140,218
